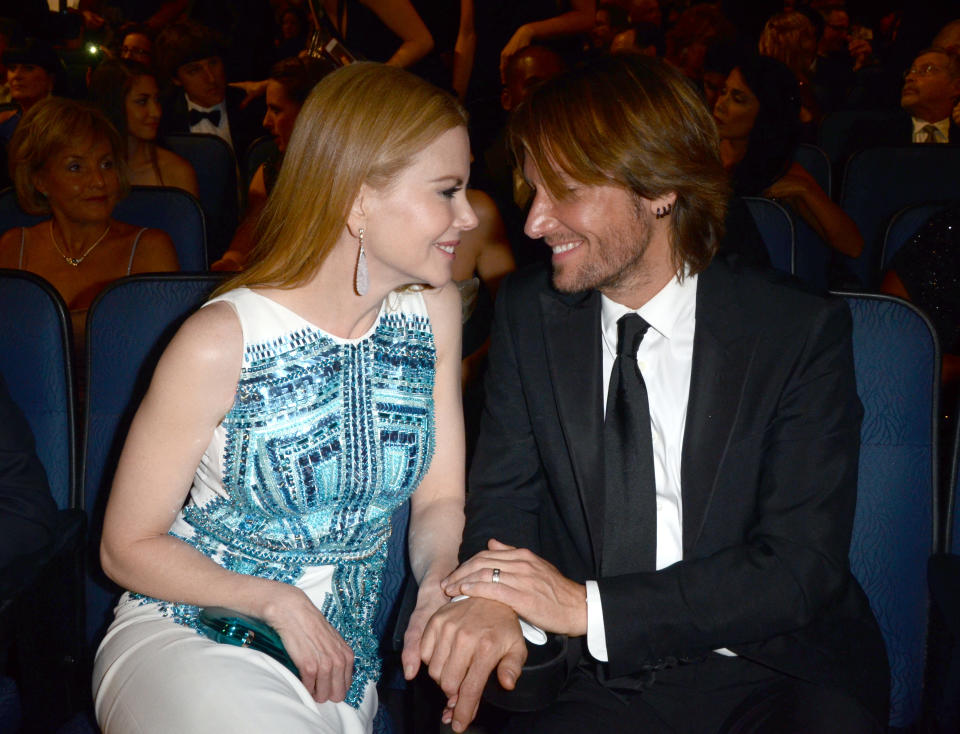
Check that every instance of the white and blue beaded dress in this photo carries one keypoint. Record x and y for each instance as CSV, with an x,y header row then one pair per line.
x,y
325,439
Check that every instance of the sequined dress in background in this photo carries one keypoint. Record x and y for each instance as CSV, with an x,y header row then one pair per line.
x,y
326,438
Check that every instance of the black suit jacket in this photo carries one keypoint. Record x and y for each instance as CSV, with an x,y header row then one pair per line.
x,y
245,124
882,133
769,472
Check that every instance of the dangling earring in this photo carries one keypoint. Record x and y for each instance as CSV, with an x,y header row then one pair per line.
x,y
362,280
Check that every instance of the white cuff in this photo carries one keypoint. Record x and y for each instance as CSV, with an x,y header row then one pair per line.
x,y
596,634
531,633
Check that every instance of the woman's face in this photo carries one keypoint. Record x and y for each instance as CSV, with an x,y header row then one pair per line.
x,y
142,105
81,181
29,83
736,109
281,114
290,26
413,227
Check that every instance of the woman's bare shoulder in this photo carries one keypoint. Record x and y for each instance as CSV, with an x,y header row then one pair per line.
x,y
176,171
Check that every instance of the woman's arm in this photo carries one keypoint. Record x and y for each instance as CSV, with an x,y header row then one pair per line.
x,y
155,254
436,517
579,19
494,256
401,18
827,219
464,50
192,389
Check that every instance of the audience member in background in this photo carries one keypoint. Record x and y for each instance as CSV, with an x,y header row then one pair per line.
x,y
8,31
287,88
294,32
578,17
791,39
390,31
931,88
949,38
640,38
926,271
719,61
33,71
697,28
136,43
67,162
757,116
839,56
188,54
611,18
127,93
645,11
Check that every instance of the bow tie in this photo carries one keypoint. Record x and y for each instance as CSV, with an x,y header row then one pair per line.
x,y
196,116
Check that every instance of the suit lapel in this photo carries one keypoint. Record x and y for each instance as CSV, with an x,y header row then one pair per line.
x,y
721,356
572,336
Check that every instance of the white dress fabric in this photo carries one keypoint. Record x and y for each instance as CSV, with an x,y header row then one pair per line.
x,y
326,438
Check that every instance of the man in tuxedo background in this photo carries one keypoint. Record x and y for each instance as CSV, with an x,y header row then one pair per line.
x,y
672,491
201,101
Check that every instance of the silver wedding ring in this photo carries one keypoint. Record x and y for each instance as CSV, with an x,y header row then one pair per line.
x,y
496,576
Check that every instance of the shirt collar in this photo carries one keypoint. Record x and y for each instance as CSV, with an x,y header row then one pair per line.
x,y
943,126
192,106
663,312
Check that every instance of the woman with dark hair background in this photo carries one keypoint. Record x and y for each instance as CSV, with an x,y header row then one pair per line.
x,y
127,93
758,118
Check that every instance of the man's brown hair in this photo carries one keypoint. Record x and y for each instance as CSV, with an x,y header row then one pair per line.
x,y
634,122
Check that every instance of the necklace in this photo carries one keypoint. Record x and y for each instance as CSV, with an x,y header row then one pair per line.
x,y
75,261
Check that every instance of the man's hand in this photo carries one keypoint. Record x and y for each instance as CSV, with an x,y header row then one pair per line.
x,y
529,585
462,644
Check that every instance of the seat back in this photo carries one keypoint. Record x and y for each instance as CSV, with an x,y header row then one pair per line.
x,y
897,363
216,168
36,364
173,210
815,162
879,182
259,151
951,540
177,213
129,325
903,225
833,136
776,228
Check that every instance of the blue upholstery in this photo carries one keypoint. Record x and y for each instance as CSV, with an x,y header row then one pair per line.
x,y
834,133
174,211
259,151
903,226
897,364
879,182
162,207
35,361
776,228
128,326
815,162
216,168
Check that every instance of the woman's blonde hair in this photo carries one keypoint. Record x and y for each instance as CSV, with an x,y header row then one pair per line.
x,y
49,126
791,39
362,124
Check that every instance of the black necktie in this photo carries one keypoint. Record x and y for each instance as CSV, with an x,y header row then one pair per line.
x,y
630,519
212,115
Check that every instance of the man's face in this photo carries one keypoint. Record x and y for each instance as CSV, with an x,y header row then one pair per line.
x,y
203,81
929,92
836,32
532,67
599,234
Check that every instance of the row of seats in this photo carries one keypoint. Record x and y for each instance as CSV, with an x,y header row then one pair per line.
x,y
885,191
128,326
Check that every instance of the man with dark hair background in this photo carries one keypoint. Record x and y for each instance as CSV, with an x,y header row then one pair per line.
x,y
667,467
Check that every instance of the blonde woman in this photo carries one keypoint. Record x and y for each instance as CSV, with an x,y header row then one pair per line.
x,y
791,38
292,415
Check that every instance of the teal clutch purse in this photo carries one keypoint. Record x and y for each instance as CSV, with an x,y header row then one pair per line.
x,y
233,628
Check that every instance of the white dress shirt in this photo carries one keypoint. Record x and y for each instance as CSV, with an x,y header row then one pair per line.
x,y
206,126
665,358
942,134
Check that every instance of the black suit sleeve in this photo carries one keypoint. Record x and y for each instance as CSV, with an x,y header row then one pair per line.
x,y
507,464
787,490
27,510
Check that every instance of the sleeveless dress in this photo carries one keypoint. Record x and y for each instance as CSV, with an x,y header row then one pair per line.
x,y
326,438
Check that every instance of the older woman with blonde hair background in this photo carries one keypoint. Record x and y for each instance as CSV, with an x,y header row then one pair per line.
x,y
287,421
791,38
66,161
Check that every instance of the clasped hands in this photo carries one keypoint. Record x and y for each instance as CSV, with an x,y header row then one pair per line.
x,y
462,642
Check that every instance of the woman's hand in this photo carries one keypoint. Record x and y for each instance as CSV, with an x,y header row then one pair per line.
x,y
429,599
787,186
324,660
